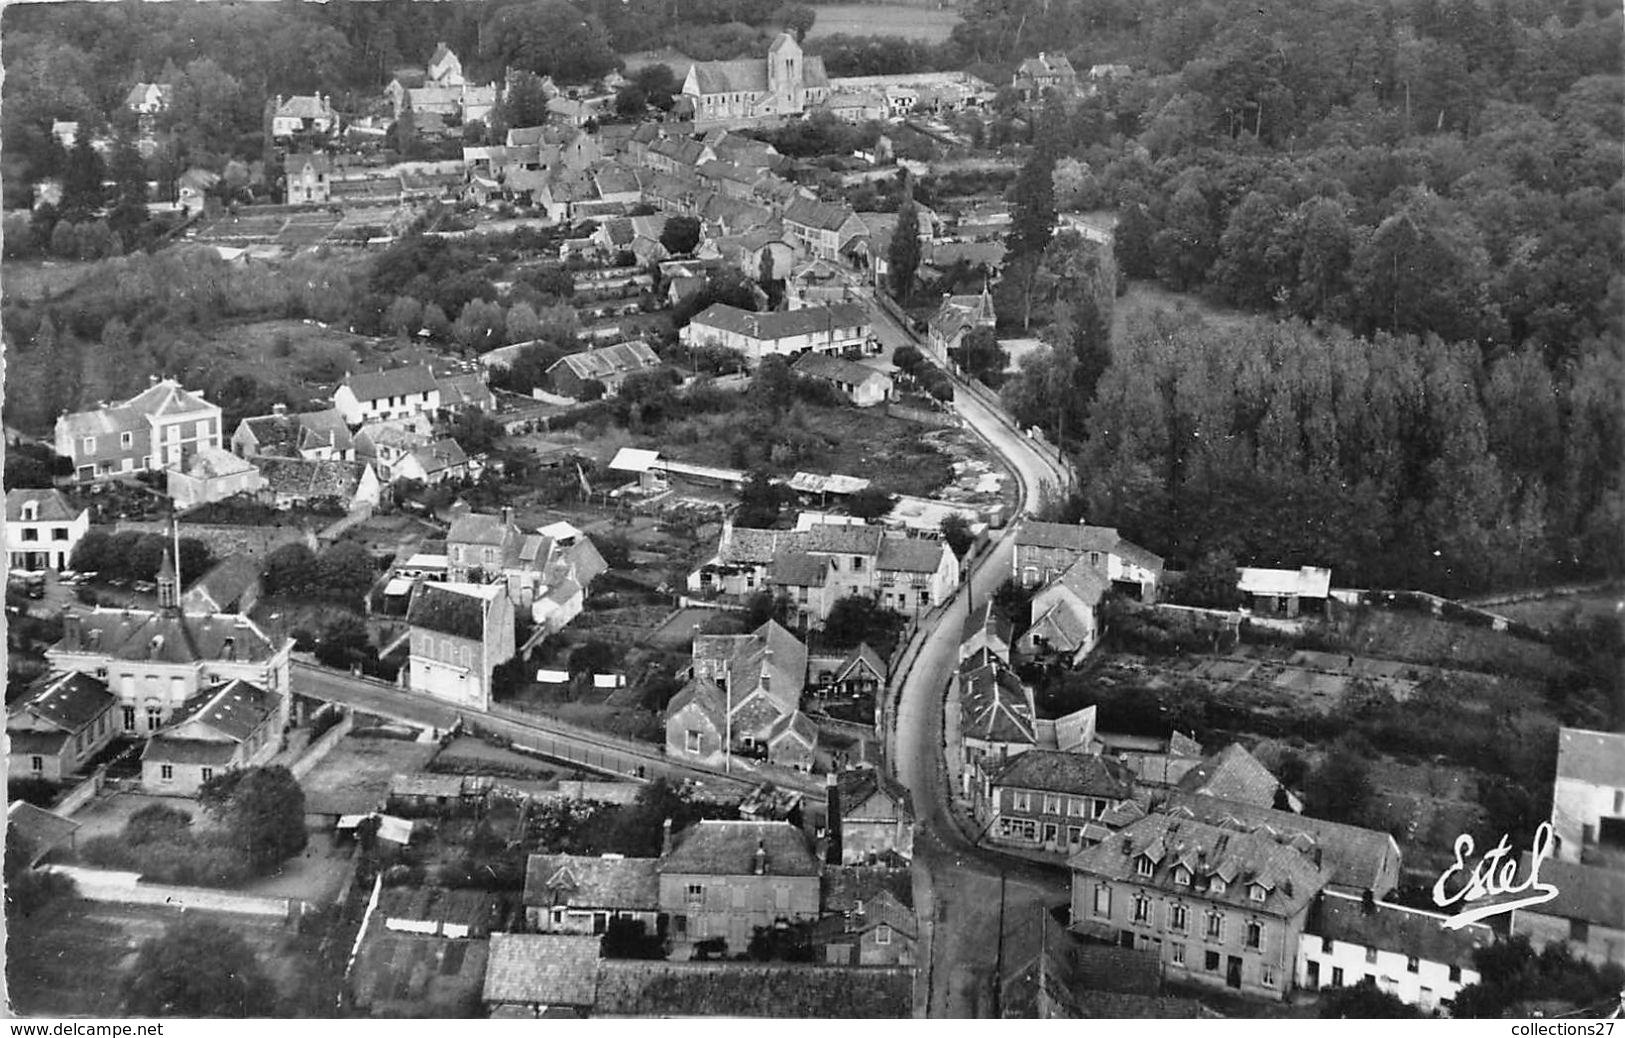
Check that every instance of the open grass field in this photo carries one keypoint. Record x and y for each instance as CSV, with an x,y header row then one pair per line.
x,y
1145,297
1423,639
932,24
355,775
41,279
1551,612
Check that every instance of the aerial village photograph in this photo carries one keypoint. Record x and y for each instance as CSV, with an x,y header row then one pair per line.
x,y
1005,509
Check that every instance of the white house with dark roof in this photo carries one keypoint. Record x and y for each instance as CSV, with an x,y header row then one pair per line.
x,y
302,113
996,716
783,333
158,428
1065,615
820,228
231,586
42,529
875,816
1588,794
434,462
459,633
210,474
786,83
1406,952
59,724
744,697
1046,550
957,317
725,878
1050,70
863,385
1218,907
580,894
308,178
382,395
157,661
1286,592
235,725
149,98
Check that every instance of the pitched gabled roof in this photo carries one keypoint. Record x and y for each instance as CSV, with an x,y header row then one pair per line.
x,y
1586,756
165,398
542,969
834,369
143,634
799,569
994,703
844,538
226,580
1084,581
910,554
583,881
479,528
288,434
459,390
234,710
42,831
1081,774
51,506
809,212
744,544
1082,538
862,656
1305,581
1394,928
1233,774
441,454
1244,860
166,749
727,848
375,385
745,990
614,361
745,76
857,785
305,107
993,620
455,609
317,161
61,702
858,889
1356,856
1587,892
705,694
795,725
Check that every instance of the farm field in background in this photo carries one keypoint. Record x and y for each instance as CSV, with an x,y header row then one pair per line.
x,y
932,24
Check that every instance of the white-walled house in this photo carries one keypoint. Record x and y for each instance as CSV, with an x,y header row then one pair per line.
x,y
785,333
1406,952
161,427
383,395
1588,796
460,633
42,529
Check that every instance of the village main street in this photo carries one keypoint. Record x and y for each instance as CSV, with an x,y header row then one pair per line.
x,y
966,896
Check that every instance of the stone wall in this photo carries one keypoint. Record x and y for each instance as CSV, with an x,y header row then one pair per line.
x,y
225,541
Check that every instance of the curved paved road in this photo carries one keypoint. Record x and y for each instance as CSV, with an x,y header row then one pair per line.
x,y
963,890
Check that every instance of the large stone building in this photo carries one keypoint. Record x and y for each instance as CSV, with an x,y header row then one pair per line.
x,y
460,633
724,879
161,427
786,83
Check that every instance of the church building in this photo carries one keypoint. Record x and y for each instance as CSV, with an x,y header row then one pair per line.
x,y
787,83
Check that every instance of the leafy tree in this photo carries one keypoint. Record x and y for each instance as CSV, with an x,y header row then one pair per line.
x,y
129,175
475,431
956,531
345,570
764,605
982,357
82,180
1211,582
198,967
479,328
524,102
631,101
903,254
630,939
549,37
1032,217
760,501
1363,1001
522,324
290,569
593,657
343,642
1511,972
681,235
659,84
858,618
436,322
797,19
1186,244
871,503
405,316
1340,789
262,810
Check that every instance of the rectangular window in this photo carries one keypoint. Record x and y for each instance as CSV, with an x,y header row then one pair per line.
x,y
1182,877
1052,805
1215,926
1211,961
126,439
129,718
1455,974
1371,955
1074,835
1256,892
1021,800
1142,909
883,934
36,763
1075,807
1412,965
166,772
1579,931
1103,899
1144,866
1255,934
695,893
88,445
1178,917
206,773
1337,976
1177,954
1266,976
691,741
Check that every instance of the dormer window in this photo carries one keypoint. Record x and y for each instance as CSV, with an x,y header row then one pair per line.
x,y
31,511
1215,885
1144,866
1182,876
1257,892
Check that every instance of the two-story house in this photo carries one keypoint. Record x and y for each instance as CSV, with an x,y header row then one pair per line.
x,y
1050,71
1065,615
308,179
1406,952
1588,795
387,445
871,817
996,716
782,333
1235,774
986,628
1044,799
42,529
1219,907
724,879
459,634
158,428
868,917
819,228
58,725
156,661
745,697
575,893
302,113
312,435
957,317
236,725
435,462
531,567
1046,550
382,395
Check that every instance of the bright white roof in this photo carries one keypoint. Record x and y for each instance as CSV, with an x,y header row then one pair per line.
x,y
559,531
398,586
631,459
1306,582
